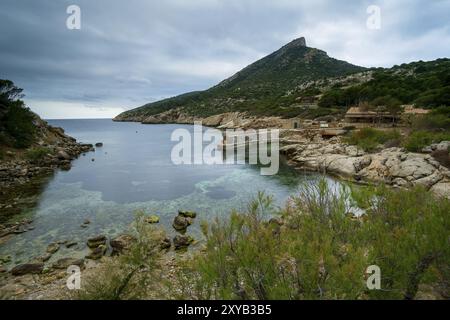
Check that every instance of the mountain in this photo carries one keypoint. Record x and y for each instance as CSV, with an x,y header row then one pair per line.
x,y
266,87
298,81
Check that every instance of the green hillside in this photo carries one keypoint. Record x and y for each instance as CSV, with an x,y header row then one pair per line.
x,y
274,85
261,88
426,84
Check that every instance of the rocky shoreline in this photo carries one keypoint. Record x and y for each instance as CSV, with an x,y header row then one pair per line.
x,y
394,167
46,278
16,171
52,150
43,278
308,150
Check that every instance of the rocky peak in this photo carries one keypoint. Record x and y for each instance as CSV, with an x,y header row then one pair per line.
x,y
300,42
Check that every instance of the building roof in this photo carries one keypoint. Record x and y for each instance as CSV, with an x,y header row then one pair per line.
x,y
358,111
410,109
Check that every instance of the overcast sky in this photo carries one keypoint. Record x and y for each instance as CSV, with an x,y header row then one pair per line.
x,y
128,53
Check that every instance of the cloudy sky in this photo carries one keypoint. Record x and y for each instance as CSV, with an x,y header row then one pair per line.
x,y
128,53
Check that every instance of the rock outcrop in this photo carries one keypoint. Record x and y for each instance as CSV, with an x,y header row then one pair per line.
x,y
52,149
392,166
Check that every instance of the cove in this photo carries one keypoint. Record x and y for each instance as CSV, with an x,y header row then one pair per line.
x,y
133,171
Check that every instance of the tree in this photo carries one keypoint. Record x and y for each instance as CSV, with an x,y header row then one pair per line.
x,y
388,104
9,92
16,120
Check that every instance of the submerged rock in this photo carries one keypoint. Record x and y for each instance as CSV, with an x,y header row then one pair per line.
x,y
97,241
153,219
66,166
28,268
52,248
45,257
188,214
86,224
5,259
181,223
71,244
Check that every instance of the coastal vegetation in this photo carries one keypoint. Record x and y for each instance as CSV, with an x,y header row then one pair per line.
x,y
135,274
424,131
37,153
426,84
370,139
319,246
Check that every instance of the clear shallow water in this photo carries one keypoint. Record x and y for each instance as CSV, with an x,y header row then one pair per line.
x,y
133,171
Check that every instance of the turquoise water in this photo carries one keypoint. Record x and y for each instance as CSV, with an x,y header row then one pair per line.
x,y
133,171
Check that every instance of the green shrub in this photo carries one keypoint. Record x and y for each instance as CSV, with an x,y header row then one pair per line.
x,y
17,128
407,231
369,139
136,274
418,140
36,154
19,124
314,248
316,255
438,120
320,251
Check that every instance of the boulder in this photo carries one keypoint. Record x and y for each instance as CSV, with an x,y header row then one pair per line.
x,y
66,165
62,155
340,165
416,168
443,146
442,189
362,162
65,263
121,243
28,268
181,223
97,241
354,151
430,180
97,253
182,241
166,243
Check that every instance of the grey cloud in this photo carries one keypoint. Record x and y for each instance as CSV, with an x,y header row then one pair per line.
x,y
132,52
